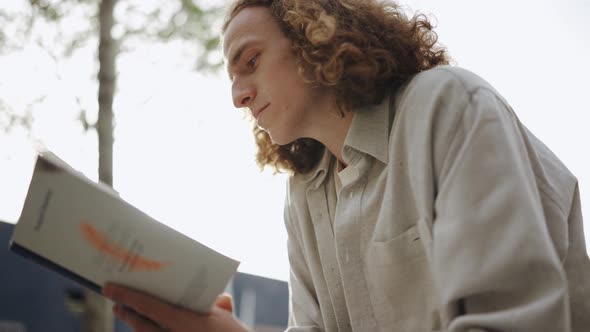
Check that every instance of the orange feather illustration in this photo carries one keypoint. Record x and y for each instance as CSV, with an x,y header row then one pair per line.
x,y
99,241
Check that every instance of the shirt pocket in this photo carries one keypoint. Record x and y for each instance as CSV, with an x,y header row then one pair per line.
x,y
400,283
399,249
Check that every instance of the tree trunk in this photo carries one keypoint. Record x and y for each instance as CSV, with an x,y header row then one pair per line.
x,y
99,316
107,53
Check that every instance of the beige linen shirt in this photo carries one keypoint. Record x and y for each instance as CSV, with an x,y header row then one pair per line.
x,y
453,217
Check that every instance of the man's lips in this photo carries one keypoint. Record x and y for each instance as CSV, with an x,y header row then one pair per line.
x,y
255,114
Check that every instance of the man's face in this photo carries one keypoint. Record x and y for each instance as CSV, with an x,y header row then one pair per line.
x,y
264,77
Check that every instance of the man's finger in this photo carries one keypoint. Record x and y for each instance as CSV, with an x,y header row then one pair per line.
x,y
224,301
135,321
158,311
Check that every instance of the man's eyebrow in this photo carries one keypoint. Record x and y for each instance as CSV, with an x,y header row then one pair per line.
x,y
241,49
239,53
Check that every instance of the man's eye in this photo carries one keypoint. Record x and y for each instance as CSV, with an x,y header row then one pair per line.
x,y
252,62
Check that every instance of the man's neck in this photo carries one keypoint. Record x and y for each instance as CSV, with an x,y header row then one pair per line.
x,y
333,133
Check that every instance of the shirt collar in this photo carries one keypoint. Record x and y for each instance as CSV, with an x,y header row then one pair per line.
x,y
318,173
369,132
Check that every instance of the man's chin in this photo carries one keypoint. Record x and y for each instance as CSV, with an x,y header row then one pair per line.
x,y
280,140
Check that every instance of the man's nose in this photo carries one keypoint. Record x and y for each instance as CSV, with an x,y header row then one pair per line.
x,y
243,94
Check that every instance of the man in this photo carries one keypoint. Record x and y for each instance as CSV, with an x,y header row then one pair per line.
x,y
417,202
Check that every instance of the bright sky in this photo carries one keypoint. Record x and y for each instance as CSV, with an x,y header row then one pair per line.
x,y
184,155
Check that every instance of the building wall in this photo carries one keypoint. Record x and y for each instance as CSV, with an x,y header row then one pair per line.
x,y
32,295
261,303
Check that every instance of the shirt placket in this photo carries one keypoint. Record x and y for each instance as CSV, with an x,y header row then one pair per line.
x,y
347,232
327,250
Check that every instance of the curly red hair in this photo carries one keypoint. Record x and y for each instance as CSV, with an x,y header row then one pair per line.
x,y
361,49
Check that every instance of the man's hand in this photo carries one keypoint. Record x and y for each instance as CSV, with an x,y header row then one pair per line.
x,y
145,313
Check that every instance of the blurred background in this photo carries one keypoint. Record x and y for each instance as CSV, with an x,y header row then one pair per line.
x,y
141,85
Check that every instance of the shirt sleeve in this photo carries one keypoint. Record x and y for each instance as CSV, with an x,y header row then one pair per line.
x,y
494,263
304,311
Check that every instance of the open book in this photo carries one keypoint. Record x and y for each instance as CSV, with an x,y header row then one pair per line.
x,y
85,231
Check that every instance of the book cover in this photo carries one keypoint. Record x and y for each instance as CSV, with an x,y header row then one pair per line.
x,y
85,231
